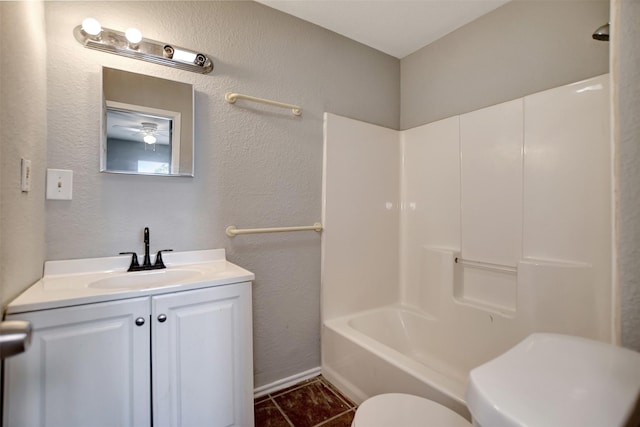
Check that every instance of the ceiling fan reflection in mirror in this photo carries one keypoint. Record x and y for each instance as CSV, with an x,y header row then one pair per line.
x,y
136,127
148,131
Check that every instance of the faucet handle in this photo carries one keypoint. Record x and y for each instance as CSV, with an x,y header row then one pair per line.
x,y
134,259
159,263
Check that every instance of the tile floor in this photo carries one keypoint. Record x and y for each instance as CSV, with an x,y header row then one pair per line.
x,y
311,403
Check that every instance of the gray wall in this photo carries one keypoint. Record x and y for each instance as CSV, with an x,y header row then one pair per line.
x,y
629,169
523,47
255,166
22,135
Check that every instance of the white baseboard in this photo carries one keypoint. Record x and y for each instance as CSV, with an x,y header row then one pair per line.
x,y
285,382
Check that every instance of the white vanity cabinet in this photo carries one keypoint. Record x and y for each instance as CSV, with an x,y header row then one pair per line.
x,y
166,357
201,357
87,366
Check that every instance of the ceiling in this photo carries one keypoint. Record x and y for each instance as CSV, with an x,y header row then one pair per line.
x,y
128,126
395,27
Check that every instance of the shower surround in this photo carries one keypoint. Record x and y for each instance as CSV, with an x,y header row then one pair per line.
x,y
446,244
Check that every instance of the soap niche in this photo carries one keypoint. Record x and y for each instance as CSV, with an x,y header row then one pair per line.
x,y
487,288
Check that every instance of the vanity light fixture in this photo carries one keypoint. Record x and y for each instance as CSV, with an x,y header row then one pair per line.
x,y
134,37
131,43
91,27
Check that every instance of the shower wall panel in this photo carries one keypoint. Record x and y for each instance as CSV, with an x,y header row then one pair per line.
x,y
567,188
566,174
534,196
491,203
523,184
430,202
491,180
360,216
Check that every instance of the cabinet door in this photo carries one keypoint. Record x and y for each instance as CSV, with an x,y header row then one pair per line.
x,y
202,358
87,366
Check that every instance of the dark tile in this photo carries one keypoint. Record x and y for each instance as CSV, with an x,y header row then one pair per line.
x,y
260,399
296,385
310,405
343,420
267,414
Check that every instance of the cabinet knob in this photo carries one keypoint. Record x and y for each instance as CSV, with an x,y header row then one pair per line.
x,y
162,318
140,321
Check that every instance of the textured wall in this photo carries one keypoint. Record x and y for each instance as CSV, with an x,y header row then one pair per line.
x,y
629,172
255,165
523,47
22,135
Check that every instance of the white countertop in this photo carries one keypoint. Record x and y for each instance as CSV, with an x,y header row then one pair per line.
x,y
84,281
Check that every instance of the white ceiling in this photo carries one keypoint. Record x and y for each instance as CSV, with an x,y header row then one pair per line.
x,y
396,27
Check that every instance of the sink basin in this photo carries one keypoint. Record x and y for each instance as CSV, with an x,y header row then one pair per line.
x,y
146,279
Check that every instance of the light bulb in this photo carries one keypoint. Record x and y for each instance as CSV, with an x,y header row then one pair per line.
x,y
91,26
150,139
133,35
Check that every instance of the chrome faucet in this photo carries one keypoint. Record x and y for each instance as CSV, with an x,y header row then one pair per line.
x,y
146,262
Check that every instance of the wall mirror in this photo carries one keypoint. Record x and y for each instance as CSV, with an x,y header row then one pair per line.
x,y
147,125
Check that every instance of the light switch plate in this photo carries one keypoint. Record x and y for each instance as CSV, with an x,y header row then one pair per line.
x,y
59,184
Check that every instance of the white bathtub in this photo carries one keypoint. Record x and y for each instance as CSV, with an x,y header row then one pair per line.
x,y
394,349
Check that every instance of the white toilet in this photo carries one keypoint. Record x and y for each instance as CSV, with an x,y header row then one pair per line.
x,y
547,380
405,410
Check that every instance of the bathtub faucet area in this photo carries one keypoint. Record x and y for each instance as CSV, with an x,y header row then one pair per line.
x,y
146,262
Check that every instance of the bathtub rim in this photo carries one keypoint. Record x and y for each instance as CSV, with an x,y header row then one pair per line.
x,y
451,388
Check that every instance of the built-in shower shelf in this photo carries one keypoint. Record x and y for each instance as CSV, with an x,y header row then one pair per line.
x,y
486,265
487,286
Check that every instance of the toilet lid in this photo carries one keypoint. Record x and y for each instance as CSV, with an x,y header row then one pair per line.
x,y
405,410
556,380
